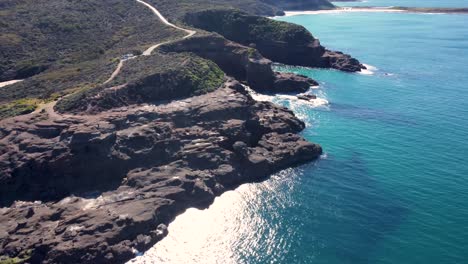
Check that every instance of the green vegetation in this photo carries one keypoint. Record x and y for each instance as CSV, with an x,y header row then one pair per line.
x,y
18,107
176,10
68,45
243,28
21,258
149,79
65,46
205,76
60,80
36,35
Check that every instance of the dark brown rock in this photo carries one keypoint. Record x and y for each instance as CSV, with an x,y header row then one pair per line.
x,y
244,63
109,184
307,97
278,41
288,83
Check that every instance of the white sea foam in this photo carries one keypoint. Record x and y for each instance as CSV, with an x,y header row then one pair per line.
x,y
298,106
369,71
285,97
324,156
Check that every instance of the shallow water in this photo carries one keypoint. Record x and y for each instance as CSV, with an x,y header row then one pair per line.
x,y
392,186
408,3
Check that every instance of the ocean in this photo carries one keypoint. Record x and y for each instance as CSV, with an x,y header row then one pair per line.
x,y
392,185
408,3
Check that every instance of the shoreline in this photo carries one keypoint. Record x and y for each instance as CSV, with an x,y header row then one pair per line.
x,y
180,219
194,156
381,10
150,198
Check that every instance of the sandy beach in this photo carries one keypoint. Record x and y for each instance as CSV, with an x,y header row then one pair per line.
x,y
390,9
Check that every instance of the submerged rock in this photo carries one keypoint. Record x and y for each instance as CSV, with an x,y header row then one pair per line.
x,y
307,97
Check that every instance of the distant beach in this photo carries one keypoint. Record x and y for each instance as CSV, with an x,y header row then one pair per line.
x,y
391,9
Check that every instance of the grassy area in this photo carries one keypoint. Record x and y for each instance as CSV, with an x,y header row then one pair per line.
x,y
68,45
244,28
204,76
18,107
21,258
176,10
23,97
38,34
149,79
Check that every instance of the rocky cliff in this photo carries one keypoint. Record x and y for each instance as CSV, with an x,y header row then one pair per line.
x,y
276,40
176,10
148,79
110,183
244,63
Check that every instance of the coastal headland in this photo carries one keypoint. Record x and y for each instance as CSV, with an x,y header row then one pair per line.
x,y
129,112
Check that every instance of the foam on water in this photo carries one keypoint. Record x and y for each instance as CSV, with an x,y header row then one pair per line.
x,y
319,102
369,71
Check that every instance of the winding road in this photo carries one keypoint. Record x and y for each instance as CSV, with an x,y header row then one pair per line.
x,y
49,107
3,84
150,50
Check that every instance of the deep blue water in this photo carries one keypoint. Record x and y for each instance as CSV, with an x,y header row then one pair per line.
x,y
393,185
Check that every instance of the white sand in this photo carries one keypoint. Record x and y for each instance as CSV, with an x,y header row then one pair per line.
x,y
343,10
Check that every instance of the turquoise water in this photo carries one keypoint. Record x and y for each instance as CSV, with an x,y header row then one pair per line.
x,y
393,184
409,3
396,140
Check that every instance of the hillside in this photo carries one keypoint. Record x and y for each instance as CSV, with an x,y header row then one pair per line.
x,y
276,40
177,9
61,47
38,34
67,46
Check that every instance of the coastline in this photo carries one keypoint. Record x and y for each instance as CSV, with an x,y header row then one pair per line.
x,y
131,204
203,162
381,10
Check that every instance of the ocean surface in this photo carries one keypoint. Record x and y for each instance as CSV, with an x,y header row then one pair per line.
x,y
408,3
392,186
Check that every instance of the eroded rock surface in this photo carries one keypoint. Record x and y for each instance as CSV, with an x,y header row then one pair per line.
x,y
109,184
289,82
244,63
278,41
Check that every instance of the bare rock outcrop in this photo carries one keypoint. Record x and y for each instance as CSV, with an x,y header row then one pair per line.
x,y
278,41
98,188
244,63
